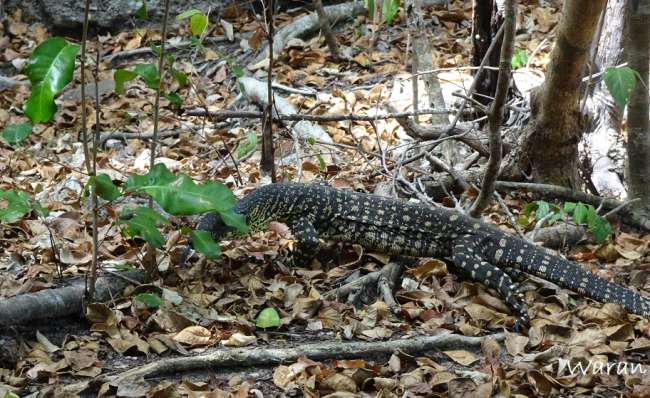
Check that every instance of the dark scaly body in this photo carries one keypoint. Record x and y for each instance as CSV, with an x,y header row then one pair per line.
x,y
482,251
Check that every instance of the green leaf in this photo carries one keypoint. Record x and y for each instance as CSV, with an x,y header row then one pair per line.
x,y
580,214
237,70
105,187
180,77
554,218
15,133
180,195
142,13
267,318
620,82
570,207
600,230
198,23
125,267
370,6
49,69
154,49
14,205
321,162
150,300
149,74
519,59
142,223
202,241
246,147
234,220
174,99
11,394
389,10
543,208
311,140
159,175
122,76
188,14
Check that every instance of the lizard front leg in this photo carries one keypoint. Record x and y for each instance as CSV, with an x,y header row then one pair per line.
x,y
308,244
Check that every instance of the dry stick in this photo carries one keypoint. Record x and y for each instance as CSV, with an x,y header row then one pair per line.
x,y
156,106
91,278
258,356
267,163
324,22
178,46
222,115
496,111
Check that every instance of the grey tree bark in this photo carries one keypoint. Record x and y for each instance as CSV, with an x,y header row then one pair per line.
x,y
603,149
638,140
550,141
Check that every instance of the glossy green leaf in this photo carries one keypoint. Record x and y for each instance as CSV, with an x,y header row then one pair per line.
x,y
620,82
202,242
122,76
370,6
389,10
105,187
142,13
198,23
188,14
174,98
14,205
49,69
580,214
600,230
14,134
150,300
268,318
159,175
234,220
142,223
125,267
149,74
237,70
180,77
247,146
543,208
519,59
569,207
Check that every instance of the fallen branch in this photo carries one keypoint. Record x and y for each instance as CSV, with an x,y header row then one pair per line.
x,y
222,115
257,356
308,24
62,301
169,46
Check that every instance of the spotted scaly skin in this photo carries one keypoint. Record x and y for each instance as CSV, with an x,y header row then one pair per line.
x,y
483,252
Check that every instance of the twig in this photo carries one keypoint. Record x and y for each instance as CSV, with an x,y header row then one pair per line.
x,y
496,111
156,106
222,115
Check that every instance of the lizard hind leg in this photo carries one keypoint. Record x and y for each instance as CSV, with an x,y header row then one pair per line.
x,y
465,256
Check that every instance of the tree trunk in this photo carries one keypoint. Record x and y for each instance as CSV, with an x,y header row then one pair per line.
x,y
603,155
486,21
638,140
550,142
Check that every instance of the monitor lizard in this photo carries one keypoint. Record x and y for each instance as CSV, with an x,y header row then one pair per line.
x,y
485,253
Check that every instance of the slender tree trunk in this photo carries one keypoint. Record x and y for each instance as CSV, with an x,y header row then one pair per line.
x,y
638,140
486,21
550,142
603,155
